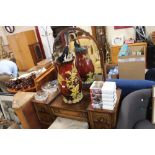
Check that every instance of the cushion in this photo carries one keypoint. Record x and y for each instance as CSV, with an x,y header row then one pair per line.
x,y
129,86
65,123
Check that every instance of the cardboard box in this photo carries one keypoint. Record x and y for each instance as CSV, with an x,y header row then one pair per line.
x,y
132,67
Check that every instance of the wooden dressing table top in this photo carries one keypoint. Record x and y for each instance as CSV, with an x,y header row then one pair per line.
x,y
76,111
81,106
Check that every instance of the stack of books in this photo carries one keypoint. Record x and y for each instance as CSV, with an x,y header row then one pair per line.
x,y
103,95
109,96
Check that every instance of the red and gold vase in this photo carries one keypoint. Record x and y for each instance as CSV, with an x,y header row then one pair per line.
x,y
84,65
69,81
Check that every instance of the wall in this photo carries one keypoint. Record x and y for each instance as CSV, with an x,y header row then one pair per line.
x,y
18,29
128,32
3,34
86,28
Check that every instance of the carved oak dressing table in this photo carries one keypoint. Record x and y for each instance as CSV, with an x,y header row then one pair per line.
x,y
76,111
82,111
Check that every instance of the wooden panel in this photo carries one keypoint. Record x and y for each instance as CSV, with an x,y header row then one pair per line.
x,y
76,111
42,108
30,36
19,43
36,52
28,117
17,52
31,116
49,75
22,118
114,54
26,54
102,118
45,118
81,116
44,111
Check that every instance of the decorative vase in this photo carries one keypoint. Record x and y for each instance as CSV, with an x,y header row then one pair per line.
x,y
84,65
69,81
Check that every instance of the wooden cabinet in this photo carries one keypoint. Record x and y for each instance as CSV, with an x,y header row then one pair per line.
x,y
102,118
115,50
19,44
25,110
76,111
44,112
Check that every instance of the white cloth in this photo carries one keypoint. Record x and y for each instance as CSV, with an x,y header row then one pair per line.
x,y
65,123
8,67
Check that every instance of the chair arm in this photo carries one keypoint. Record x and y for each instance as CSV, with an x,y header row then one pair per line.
x,y
134,108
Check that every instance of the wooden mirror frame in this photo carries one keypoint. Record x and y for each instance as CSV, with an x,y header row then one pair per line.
x,y
73,30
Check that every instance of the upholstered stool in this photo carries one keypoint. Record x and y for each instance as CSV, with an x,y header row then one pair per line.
x,y
65,123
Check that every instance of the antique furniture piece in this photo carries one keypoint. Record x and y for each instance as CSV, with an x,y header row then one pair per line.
x,y
36,53
25,110
99,33
22,84
58,29
48,75
19,44
136,46
136,111
74,111
102,118
85,40
32,82
46,63
44,112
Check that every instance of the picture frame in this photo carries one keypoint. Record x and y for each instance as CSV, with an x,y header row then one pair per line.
x,y
118,40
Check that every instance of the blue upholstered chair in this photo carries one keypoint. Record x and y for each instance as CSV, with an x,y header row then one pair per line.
x,y
129,86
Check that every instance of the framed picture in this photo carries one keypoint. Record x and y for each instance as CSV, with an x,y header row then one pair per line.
x,y
118,41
